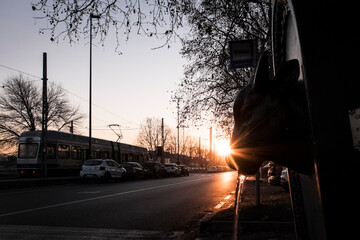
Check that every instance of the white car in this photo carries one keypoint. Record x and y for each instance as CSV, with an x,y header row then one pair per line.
x,y
173,169
104,169
212,169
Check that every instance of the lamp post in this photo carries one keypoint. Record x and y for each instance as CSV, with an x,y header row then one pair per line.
x,y
177,100
90,90
178,128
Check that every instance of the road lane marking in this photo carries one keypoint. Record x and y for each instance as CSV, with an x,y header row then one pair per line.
x,y
219,205
100,197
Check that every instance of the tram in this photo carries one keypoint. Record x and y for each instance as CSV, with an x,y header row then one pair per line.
x,y
66,152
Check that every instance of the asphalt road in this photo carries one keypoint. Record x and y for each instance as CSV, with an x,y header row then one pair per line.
x,y
147,209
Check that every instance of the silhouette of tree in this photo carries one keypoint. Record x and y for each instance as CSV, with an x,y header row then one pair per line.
x,y
21,110
150,135
209,87
71,19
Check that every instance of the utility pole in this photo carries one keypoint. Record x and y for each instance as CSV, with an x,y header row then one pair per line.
x,y
205,152
200,151
72,127
162,140
90,83
178,127
210,144
44,118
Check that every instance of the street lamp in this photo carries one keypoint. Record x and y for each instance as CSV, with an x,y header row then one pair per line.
x,y
90,91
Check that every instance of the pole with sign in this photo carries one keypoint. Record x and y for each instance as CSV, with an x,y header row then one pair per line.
x,y
243,53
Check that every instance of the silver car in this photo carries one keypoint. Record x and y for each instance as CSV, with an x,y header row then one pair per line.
x,y
173,169
104,169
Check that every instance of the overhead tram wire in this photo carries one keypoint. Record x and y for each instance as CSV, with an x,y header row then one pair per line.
x,y
122,129
55,84
98,106
19,71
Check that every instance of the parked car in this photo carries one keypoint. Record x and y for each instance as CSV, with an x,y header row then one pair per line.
x,y
221,168
284,179
154,169
104,169
212,169
185,171
173,169
134,170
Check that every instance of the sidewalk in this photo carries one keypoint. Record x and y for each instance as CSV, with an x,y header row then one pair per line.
x,y
271,220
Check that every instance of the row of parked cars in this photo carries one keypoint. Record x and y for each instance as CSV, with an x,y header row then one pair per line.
x,y
213,169
106,169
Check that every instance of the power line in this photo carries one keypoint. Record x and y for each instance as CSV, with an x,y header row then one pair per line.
x,y
16,70
122,129
98,106
55,84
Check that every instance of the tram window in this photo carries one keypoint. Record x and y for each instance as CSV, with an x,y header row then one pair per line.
x,y
96,153
76,153
105,154
63,151
50,151
28,150
116,154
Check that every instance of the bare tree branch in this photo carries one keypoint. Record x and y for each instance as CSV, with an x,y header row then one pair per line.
x,y
20,109
70,19
209,86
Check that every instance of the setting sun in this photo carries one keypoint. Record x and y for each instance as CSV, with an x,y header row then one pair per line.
x,y
223,148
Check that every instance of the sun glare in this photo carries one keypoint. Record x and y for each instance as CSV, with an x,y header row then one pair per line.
x,y
223,148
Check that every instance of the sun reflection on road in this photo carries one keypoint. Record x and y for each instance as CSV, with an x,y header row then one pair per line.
x,y
228,176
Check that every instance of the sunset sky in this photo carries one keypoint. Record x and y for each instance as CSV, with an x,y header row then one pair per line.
x,y
127,88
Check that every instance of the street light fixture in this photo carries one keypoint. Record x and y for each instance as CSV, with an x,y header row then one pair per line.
x,y
90,90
